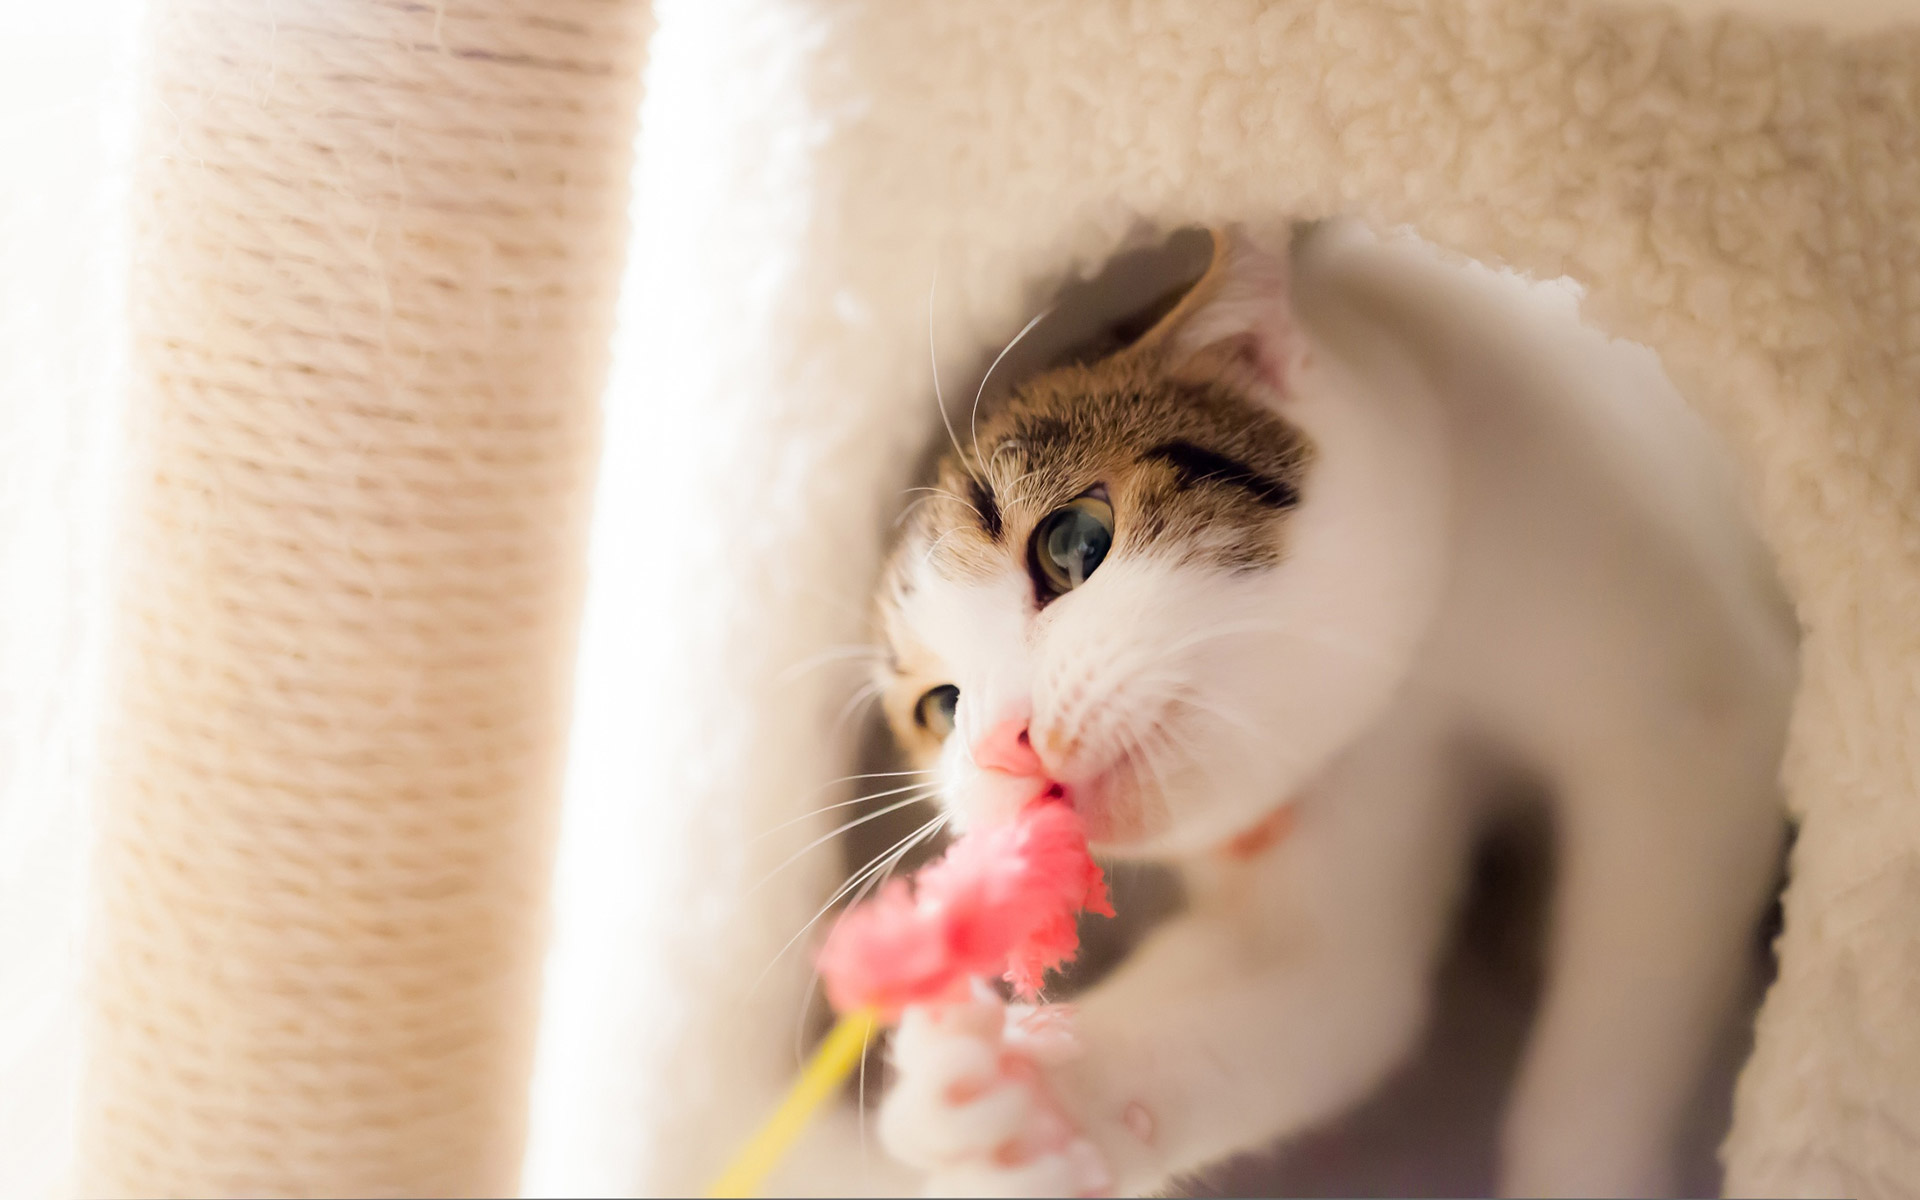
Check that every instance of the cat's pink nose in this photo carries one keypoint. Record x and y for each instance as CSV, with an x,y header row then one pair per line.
x,y
1006,747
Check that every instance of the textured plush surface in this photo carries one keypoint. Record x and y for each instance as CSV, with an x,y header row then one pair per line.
x,y
1741,197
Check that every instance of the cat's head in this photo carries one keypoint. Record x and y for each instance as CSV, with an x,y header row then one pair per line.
x,y
1173,583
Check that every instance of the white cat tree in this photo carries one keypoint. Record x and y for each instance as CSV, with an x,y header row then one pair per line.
x,y
378,252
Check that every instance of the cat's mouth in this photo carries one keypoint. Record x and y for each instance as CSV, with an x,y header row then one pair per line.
x,y
1115,791
1112,803
1109,775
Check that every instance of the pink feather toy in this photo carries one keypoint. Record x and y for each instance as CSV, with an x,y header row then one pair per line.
x,y
1003,902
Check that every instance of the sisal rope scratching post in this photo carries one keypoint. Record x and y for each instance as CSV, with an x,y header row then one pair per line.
x,y
377,250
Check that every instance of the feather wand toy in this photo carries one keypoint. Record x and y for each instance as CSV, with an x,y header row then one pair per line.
x,y
1003,901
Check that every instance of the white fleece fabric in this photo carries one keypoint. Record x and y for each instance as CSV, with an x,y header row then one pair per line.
x,y
1741,196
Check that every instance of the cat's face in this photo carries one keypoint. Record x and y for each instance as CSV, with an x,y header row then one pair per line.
x,y
1121,593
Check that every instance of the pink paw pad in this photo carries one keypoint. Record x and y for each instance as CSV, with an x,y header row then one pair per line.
x,y
1049,1131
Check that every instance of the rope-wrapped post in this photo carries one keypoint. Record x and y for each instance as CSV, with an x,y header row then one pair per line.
x,y
377,247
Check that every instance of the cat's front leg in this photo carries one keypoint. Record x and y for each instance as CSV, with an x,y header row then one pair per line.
x,y
1170,1066
1292,986
1166,1086
973,1107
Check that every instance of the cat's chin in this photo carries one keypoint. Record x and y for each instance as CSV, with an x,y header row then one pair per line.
x,y
1135,823
1112,815
1146,826
1123,817
1136,811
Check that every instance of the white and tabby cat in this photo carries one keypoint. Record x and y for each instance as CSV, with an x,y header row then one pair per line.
x,y
1244,590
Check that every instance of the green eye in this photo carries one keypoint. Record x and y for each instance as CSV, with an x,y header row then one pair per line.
x,y
1070,543
934,710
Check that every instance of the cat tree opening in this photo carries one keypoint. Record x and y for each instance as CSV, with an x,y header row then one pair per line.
x,y
1734,194
1433,1127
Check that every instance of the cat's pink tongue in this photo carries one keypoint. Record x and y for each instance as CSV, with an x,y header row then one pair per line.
x,y
1003,901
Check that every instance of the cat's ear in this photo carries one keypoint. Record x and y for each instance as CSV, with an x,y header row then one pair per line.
x,y
1235,325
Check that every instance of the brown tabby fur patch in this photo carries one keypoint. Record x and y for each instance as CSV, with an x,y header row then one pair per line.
x,y
1196,471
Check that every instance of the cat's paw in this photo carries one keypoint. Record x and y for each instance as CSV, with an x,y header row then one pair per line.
x,y
971,1105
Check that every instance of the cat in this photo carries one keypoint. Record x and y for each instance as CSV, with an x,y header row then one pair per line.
x,y
1245,590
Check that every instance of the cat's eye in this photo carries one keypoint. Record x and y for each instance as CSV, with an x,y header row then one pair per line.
x,y
934,710
1070,543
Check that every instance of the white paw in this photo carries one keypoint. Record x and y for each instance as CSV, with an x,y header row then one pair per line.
x,y
971,1106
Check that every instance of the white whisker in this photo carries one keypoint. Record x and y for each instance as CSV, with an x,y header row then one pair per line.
x,y
939,398
877,775
868,692
908,510
935,545
836,832
892,856
897,851
1188,697
1002,448
1016,493
940,491
1134,744
973,418
1251,628
865,651
773,829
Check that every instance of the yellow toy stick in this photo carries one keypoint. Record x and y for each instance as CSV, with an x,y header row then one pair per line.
x,y
1003,901
838,1054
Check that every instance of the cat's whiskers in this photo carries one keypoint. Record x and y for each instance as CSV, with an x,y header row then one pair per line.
x,y
1147,748
1172,689
1158,753
994,458
892,864
1015,491
908,510
940,491
867,693
923,791
842,653
1185,695
1252,629
1141,759
973,418
877,775
1151,759
773,829
939,397
935,545
897,851
1293,761
886,860
1206,765
1369,655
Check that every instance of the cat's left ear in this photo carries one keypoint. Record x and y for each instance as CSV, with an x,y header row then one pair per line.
x,y
1235,325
